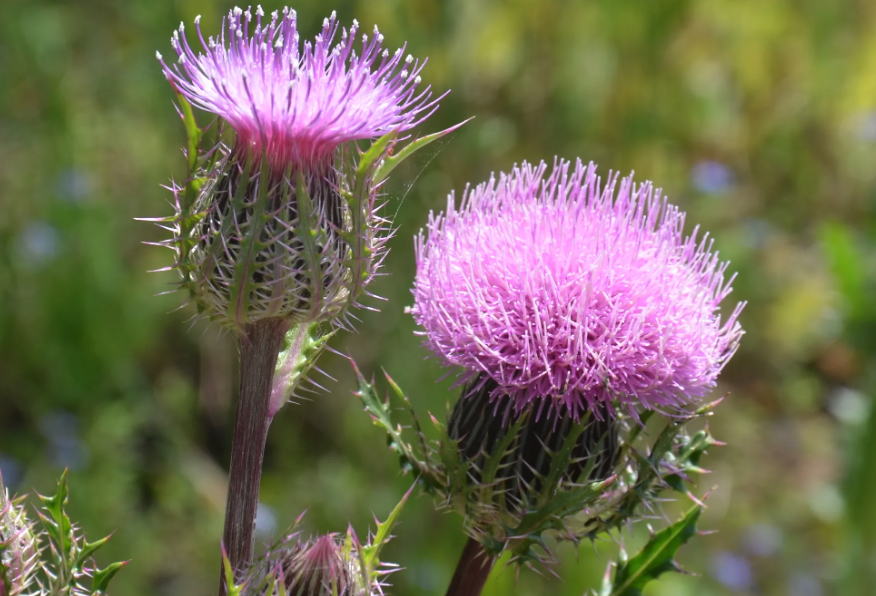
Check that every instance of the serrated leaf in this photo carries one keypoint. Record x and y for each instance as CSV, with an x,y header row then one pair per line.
x,y
380,415
655,558
560,462
87,551
57,525
102,577
193,132
381,537
491,466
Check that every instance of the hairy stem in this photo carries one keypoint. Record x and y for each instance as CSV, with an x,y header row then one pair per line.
x,y
472,570
259,346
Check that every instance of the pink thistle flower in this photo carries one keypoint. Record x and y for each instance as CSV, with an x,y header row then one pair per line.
x,y
298,104
284,221
573,295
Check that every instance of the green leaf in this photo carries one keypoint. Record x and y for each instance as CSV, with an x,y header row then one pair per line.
x,y
655,558
231,589
390,162
375,153
242,285
421,437
58,525
380,415
382,536
564,503
87,551
102,577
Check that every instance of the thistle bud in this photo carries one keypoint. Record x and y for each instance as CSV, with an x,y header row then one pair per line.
x,y
317,568
329,565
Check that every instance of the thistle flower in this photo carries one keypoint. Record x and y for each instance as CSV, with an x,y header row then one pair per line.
x,y
282,221
572,309
574,297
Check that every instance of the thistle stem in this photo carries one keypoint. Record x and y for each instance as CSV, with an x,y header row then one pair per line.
x,y
472,570
259,346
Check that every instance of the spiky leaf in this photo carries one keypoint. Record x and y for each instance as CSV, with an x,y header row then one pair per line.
x,y
655,558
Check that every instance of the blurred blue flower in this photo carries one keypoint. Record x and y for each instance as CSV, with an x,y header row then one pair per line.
x,y
762,540
867,126
38,244
757,232
74,185
266,520
11,470
733,571
66,449
712,177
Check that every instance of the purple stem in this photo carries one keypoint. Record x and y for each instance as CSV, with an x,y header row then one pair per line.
x,y
472,570
260,345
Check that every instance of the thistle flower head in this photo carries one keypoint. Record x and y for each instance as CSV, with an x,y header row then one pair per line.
x,y
297,102
282,220
573,295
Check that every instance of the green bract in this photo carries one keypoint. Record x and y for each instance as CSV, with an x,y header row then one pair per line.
x,y
253,242
554,505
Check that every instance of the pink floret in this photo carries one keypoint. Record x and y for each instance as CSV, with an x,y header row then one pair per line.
x,y
299,104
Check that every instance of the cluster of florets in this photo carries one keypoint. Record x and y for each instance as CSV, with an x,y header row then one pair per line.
x,y
306,568
294,104
571,294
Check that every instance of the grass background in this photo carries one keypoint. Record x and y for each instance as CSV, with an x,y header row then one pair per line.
x,y
758,118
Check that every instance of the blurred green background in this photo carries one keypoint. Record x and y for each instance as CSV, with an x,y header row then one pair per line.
x,y
758,118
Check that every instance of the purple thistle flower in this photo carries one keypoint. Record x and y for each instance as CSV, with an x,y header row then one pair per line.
x,y
568,294
284,221
298,105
